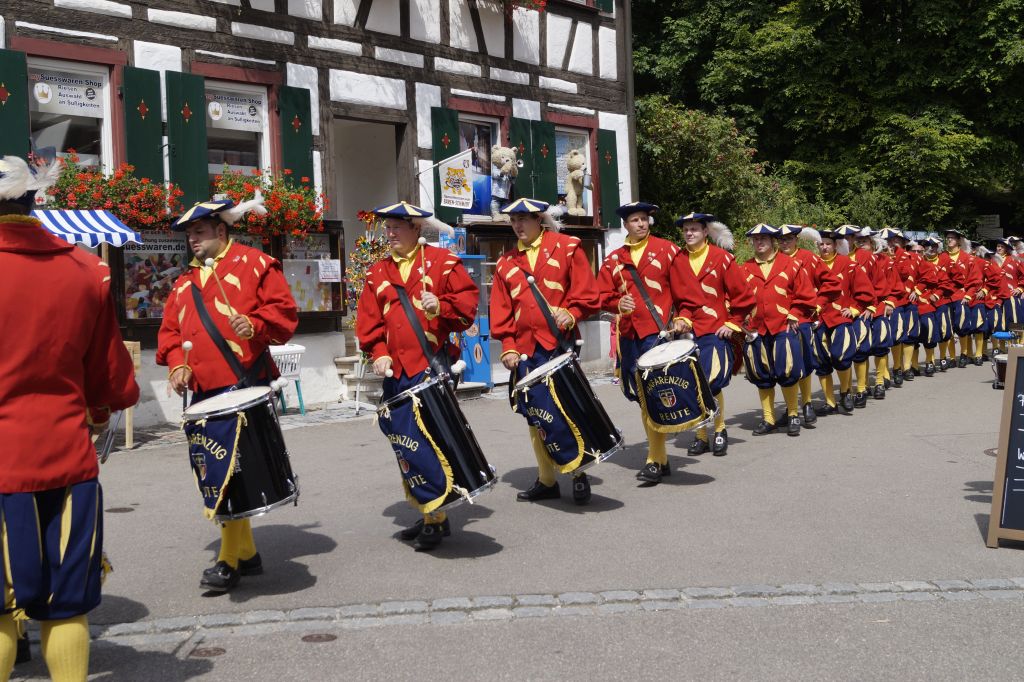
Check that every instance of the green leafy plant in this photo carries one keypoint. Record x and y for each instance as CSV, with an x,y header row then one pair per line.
x,y
293,208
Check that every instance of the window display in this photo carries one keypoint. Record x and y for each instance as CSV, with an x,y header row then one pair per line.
x,y
236,128
313,286
69,110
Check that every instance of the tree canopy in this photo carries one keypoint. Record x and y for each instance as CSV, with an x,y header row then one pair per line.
x,y
908,112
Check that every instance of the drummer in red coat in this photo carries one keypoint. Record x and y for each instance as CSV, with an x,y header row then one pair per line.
x,y
784,296
258,313
563,275
445,299
639,330
966,278
64,367
712,298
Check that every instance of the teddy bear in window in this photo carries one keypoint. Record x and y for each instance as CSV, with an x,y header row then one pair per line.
x,y
576,165
504,169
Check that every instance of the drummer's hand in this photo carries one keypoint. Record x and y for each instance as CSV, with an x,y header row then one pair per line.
x,y
847,313
510,361
381,366
724,332
563,319
794,326
179,380
913,297
627,304
431,304
934,298
241,326
680,327
866,315
888,310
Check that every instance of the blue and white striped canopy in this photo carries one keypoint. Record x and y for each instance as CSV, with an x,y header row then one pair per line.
x,y
87,227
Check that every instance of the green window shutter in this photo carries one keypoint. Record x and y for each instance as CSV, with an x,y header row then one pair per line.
x,y
445,126
293,104
545,180
143,123
607,177
520,138
14,120
605,5
186,134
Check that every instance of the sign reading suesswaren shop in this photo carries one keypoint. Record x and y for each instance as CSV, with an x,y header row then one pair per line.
x,y
62,92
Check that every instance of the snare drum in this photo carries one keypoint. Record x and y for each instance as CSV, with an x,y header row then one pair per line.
x,y
441,462
238,454
557,400
674,392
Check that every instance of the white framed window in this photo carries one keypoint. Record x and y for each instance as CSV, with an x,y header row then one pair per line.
x,y
566,140
237,127
70,109
479,133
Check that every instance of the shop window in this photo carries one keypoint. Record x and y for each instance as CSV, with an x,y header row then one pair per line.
x,y
478,134
69,109
568,140
237,128
313,273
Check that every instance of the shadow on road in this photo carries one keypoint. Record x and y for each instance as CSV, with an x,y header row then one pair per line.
x,y
279,546
981,491
114,609
463,543
109,661
521,479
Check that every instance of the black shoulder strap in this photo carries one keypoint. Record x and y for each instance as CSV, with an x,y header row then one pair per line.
x,y
215,334
542,303
631,269
414,321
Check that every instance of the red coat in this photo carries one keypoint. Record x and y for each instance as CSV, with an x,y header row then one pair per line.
x,y
827,285
256,287
62,352
964,275
564,277
887,285
717,295
867,260
1014,272
857,291
929,283
996,285
654,268
904,267
944,286
382,325
785,295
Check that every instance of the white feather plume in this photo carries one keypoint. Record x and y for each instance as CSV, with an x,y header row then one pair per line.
x,y
232,215
46,176
550,218
721,235
431,228
965,244
842,247
810,234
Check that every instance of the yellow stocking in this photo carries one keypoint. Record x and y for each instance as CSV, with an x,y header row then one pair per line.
x,y
897,356
792,397
967,346
767,396
435,517
8,644
915,357
720,417
229,543
881,370
979,345
246,542
845,379
862,376
828,388
656,444
805,390
65,645
545,469
929,355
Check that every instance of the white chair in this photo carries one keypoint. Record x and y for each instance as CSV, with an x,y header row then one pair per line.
x,y
288,358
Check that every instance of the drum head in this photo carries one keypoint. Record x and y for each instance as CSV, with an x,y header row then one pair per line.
x,y
666,353
227,402
544,370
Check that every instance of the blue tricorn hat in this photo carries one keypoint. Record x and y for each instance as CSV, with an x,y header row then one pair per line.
x,y
526,206
699,217
402,210
629,209
890,233
202,209
763,229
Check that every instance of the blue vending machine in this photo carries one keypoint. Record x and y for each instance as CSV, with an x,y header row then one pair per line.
x,y
474,342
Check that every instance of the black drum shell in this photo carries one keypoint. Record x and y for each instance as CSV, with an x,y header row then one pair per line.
x,y
585,410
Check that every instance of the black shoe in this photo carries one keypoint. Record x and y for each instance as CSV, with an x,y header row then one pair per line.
x,y
430,537
886,384
251,566
581,489
846,402
764,427
929,369
810,415
410,533
827,410
978,362
860,400
962,362
943,365
916,371
793,428
221,579
720,444
879,393
539,491
897,378
984,358
910,374
651,473
24,651
698,447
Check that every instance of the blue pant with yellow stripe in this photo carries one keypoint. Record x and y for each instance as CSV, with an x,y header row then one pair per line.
x,y
774,359
964,319
881,335
717,360
944,321
930,332
834,348
862,339
810,361
630,351
53,541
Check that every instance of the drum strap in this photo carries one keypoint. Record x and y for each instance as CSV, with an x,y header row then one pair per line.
x,y
245,378
631,269
563,344
437,365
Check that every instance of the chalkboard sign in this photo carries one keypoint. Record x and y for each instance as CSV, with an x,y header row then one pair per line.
x,y
1006,520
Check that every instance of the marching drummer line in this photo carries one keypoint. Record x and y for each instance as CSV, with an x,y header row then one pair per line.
x,y
455,610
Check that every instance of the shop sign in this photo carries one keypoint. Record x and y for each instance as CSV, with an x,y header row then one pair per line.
x,y
235,110
65,92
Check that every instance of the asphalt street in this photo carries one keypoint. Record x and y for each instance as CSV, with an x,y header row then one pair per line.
x,y
896,494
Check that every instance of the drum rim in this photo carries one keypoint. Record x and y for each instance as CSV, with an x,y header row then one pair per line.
x,y
679,358
265,397
409,392
559,362
260,511
463,499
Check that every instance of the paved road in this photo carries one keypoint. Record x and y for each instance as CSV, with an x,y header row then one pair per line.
x,y
898,493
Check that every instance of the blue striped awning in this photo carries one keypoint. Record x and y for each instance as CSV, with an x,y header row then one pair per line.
x,y
87,227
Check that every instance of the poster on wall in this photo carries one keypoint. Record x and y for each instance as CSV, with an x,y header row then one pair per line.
x,y
150,269
64,92
235,110
457,175
477,138
302,267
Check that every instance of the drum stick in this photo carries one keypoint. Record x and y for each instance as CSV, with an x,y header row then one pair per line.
x,y
615,257
210,263
187,346
423,258
389,373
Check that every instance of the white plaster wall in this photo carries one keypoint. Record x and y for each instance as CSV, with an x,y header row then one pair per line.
x,y
388,54
608,56
623,145
264,5
460,26
308,9
334,45
427,96
300,76
255,32
384,17
559,28
425,20
526,35
113,9
318,175
524,108
360,88
454,66
162,58
517,77
3,33
492,21
187,20
426,182
345,11
582,58
557,84
597,345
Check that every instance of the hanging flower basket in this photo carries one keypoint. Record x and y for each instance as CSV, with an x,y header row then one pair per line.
x,y
294,208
